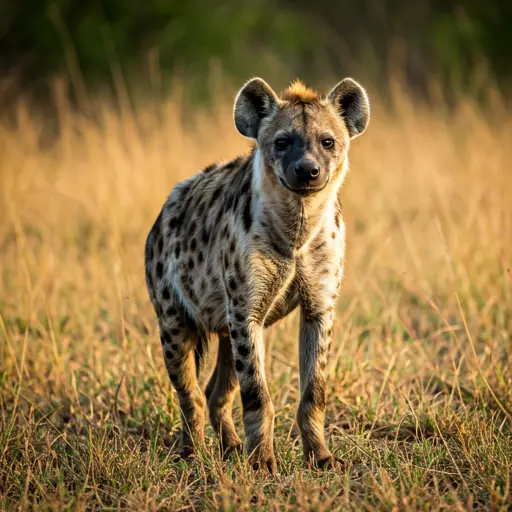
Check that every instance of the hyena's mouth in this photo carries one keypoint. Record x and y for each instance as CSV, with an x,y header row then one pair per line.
x,y
306,190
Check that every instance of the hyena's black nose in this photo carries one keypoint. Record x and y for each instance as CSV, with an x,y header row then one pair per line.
x,y
307,170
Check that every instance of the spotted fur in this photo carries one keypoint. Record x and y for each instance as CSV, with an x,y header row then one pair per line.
x,y
240,245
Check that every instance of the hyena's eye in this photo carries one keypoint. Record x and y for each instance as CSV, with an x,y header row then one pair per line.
x,y
282,143
327,143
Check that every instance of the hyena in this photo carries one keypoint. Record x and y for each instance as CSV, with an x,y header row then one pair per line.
x,y
240,245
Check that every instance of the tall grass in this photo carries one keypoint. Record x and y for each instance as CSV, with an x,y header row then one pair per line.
x,y
420,373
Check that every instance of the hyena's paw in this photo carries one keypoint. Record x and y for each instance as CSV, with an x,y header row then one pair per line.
x,y
263,460
326,462
187,445
270,464
232,448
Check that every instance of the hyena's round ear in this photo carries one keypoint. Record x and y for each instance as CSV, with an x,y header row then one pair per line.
x,y
351,101
255,101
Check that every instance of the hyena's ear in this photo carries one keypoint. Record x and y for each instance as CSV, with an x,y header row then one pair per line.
x,y
255,101
351,101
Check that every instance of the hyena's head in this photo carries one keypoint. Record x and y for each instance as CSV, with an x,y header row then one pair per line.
x,y
303,137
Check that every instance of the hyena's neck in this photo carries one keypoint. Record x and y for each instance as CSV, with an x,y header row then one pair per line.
x,y
288,221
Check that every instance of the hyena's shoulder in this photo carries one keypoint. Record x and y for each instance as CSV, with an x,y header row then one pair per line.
x,y
201,200
205,188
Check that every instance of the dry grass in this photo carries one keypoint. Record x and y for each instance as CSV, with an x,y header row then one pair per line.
x,y
420,375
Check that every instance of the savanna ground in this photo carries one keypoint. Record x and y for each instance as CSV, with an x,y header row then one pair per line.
x,y
420,373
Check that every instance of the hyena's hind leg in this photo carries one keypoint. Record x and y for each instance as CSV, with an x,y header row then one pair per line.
x,y
220,392
181,344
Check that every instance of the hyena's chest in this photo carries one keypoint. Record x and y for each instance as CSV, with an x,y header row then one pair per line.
x,y
274,287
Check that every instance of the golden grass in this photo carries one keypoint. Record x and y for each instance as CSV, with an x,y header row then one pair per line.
x,y
420,374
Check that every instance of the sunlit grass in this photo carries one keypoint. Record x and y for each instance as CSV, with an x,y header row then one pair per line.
x,y
420,374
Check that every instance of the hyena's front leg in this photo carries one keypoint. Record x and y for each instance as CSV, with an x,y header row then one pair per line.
x,y
248,352
315,338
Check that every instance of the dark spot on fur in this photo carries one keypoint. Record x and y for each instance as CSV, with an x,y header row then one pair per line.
x,y
185,189
333,234
171,311
205,236
168,354
319,245
200,259
232,284
160,245
250,370
243,350
159,270
315,393
175,331
245,187
232,246
229,203
219,216
234,334
177,250
251,401
239,365
174,222
226,261
193,226
166,294
191,263
188,202
215,196
174,346
235,202
239,317
234,301
247,214
280,251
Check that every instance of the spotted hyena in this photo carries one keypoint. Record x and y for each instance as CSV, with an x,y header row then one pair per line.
x,y
240,245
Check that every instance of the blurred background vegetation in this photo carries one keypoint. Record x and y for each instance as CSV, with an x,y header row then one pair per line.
x,y
461,44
